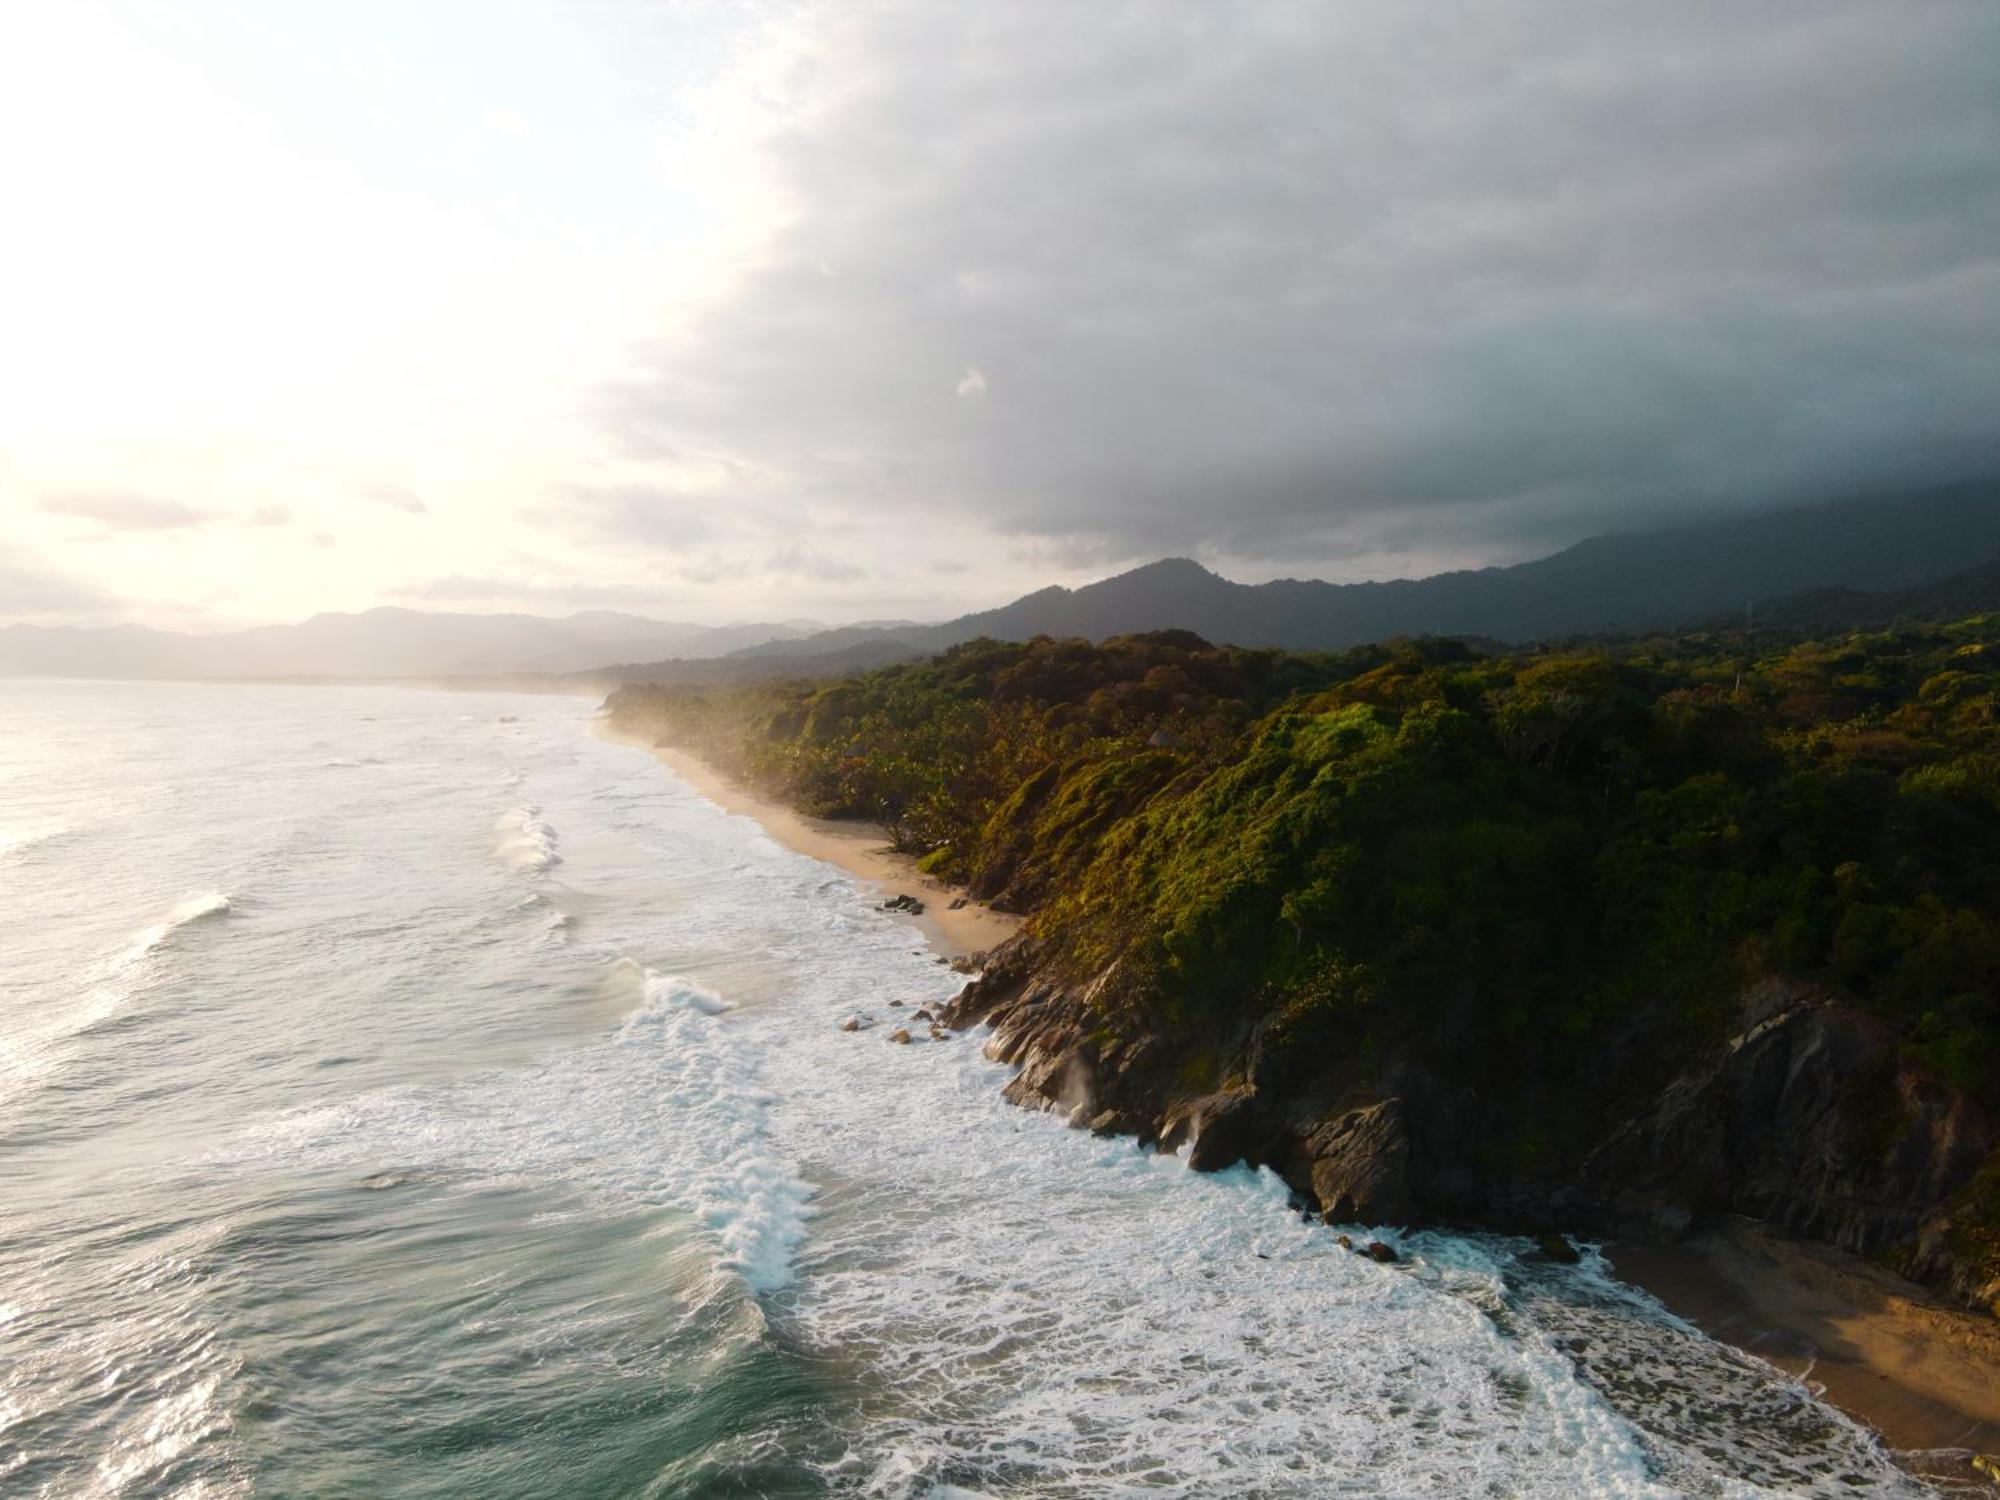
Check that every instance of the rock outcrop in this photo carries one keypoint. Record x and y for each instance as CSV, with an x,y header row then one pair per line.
x,y
1806,1117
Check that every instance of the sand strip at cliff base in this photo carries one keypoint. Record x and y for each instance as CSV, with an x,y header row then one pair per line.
x,y
1923,1374
860,848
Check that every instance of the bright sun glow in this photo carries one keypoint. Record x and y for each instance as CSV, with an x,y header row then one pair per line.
x,y
329,286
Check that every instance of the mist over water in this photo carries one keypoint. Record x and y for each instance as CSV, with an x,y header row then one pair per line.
x,y
408,1093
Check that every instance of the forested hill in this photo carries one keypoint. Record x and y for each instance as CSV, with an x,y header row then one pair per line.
x,y
1618,936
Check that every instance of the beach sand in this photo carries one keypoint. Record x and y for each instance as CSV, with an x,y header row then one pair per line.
x,y
861,849
1923,1374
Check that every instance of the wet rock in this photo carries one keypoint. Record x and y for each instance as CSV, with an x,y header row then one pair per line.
x,y
905,903
900,1036
897,1004
939,1034
968,963
1229,1130
958,904
1558,1249
923,1013
1771,1124
1360,1165
1376,1250
1345,1241
856,1023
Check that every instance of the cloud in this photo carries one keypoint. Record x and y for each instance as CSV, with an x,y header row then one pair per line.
x,y
646,515
570,593
1298,280
396,497
816,564
30,590
271,515
128,512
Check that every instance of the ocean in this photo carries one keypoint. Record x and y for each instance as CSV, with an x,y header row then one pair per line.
x,y
411,1093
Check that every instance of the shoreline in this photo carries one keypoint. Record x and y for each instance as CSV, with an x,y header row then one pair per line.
x,y
861,849
1922,1374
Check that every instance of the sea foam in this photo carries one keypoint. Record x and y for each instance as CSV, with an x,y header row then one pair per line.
x,y
670,1111
526,842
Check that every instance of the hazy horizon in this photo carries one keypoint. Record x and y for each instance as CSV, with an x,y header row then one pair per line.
x,y
789,309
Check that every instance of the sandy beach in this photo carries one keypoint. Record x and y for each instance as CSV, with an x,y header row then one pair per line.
x,y
861,849
1923,1374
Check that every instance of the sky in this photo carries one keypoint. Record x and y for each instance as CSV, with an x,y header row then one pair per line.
x,y
881,310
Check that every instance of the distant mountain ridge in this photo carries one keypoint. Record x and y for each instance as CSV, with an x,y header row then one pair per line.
x,y
1635,581
1976,591
1686,575
386,642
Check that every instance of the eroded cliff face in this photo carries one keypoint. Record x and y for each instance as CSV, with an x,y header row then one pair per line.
x,y
1805,1116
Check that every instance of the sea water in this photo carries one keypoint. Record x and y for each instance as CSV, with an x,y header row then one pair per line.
x,y
410,1093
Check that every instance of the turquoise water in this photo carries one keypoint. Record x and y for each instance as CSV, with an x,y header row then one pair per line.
x,y
409,1093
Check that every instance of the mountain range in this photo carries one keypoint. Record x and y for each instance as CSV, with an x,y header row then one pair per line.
x,y
1819,559
1625,582
377,643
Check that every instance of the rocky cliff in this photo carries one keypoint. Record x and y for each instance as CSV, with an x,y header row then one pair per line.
x,y
1805,1116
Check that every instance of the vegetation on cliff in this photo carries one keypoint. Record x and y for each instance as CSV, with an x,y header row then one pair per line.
x,y
1546,875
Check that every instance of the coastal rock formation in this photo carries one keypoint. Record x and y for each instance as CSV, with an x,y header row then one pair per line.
x,y
1806,1117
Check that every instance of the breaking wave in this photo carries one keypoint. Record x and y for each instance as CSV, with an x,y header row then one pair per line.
x,y
526,842
670,1111
15,843
197,908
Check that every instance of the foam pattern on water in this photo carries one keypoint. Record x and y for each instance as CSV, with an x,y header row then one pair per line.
x,y
1030,1310
1050,1314
525,841
670,1111
1702,1406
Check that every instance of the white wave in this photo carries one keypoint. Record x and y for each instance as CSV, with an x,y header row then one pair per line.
x,y
672,989
31,1050
526,842
195,908
15,842
669,1111
556,923
1098,1320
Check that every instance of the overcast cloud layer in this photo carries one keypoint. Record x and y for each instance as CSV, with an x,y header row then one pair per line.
x,y
862,310
1297,282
